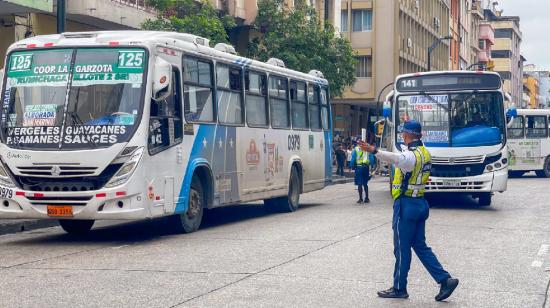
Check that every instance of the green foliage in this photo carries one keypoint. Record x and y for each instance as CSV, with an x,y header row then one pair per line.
x,y
297,37
190,16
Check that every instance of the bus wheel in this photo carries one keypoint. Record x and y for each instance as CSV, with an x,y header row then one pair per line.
x,y
291,202
545,172
190,221
485,199
78,227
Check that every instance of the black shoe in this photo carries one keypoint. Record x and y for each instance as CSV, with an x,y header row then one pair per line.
x,y
359,201
447,288
366,200
393,293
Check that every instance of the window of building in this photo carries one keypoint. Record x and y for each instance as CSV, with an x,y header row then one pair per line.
x,y
229,87
256,99
503,33
166,123
363,67
198,101
344,21
314,108
278,97
501,54
536,127
482,44
362,20
299,105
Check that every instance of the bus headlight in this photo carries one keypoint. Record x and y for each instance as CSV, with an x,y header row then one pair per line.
x,y
5,178
126,170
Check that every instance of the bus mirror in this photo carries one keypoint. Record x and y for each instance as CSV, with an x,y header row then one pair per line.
x,y
162,85
511,115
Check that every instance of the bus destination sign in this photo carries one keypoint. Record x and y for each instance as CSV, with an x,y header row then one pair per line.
x,y
448,82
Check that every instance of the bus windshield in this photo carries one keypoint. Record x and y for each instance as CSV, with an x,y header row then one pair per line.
x,y
72,98
467,119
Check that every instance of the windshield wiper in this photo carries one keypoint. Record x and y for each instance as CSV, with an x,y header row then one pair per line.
x,y
444,106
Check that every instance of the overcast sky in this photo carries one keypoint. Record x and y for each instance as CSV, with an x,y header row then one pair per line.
x,y
535,26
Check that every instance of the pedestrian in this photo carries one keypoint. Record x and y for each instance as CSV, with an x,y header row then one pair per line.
x,y
410,212
340,160
348,156
360,163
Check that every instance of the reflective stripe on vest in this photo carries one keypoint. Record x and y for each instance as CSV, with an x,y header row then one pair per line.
x,y
414,182
360,157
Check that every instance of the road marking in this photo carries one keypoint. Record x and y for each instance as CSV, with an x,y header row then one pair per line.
x,y
543,250
536,263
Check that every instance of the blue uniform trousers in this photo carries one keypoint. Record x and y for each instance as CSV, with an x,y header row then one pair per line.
x,y
409,223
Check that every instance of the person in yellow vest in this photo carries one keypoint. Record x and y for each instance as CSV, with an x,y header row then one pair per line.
x,y
410,212
360,161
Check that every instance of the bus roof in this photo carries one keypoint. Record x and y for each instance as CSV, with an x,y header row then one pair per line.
x,y
445,73
181,41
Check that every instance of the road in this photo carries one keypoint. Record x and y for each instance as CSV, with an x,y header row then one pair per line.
x,y
330,253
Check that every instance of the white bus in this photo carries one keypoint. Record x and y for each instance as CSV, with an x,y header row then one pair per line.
x,y
138,124
529,143
464,127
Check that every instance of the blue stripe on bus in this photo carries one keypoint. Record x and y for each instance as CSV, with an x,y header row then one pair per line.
x,y
198,157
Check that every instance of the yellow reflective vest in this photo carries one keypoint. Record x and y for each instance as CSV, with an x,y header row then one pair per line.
x,y
361,158
413,184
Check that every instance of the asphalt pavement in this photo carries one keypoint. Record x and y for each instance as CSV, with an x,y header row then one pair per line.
x,y
330,253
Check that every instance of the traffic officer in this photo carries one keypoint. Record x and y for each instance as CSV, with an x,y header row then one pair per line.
x,y
360,162
410,211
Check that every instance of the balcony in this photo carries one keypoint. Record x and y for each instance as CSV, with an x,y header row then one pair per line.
x,y
486,32
477,8
484,56
110,14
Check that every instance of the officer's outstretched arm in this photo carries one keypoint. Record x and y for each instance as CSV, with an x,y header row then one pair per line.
x,y
404,161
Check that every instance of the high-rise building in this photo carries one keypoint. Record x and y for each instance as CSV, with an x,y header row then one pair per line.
x,y
390,37
506,52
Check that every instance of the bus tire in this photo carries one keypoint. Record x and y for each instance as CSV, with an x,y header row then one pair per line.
x,y
77,227
485,199
545,172
290,202
190,221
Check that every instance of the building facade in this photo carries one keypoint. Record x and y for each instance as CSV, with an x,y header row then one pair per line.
x,y
506,55
539,81
390,37
21,19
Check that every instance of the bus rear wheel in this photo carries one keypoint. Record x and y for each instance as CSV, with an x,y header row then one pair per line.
x,y
485,199
190,221
290,202
545,172
78,227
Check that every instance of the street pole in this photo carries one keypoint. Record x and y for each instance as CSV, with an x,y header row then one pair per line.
x,y
61,16
434,46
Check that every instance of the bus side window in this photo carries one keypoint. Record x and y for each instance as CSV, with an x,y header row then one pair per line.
x,y
516,131
166,124
278,97
230,99
256,99
325,108
537,127
198,86
314,109
299,105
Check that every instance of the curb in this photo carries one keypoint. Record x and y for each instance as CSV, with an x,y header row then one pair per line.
x,y
19,225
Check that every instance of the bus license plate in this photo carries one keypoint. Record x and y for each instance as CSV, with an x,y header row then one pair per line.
x,y
60,211
451,183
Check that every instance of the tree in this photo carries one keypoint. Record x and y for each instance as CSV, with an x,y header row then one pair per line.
x,y
190,16
296,36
